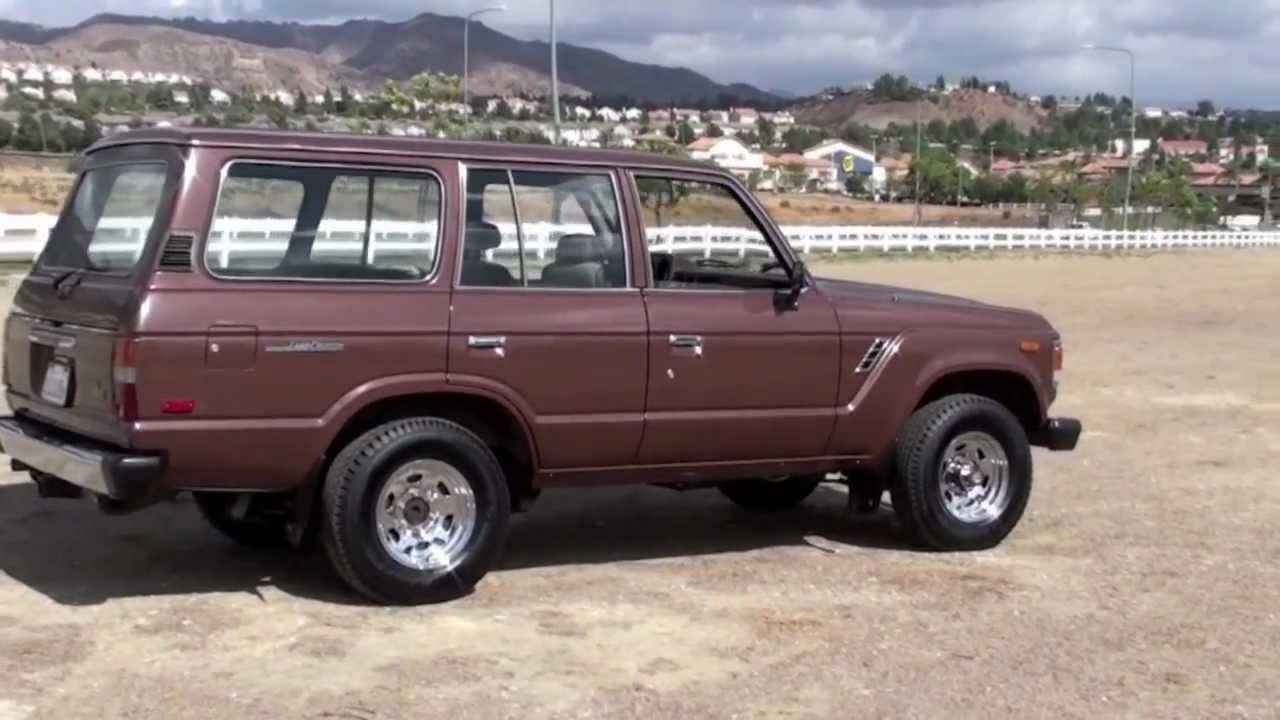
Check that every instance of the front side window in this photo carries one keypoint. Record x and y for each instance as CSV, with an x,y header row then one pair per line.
x,y
109,219
700,236
542,229
289,221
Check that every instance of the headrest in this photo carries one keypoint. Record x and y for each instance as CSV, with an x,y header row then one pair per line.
x,y
575,249
482,236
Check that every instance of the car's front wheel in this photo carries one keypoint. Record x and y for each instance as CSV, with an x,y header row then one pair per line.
x,y
963,474
415,511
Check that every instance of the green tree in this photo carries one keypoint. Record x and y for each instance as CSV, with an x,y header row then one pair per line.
x,y
1205,109
6,132
300,102
329,105
854,184
346,102
940,84
29,135
714,130
278,117
160,97
685,134
767,131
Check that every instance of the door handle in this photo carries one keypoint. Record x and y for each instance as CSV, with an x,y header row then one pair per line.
x,y
486,342
693,342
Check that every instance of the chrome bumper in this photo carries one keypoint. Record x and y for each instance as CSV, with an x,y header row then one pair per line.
x,y
81,462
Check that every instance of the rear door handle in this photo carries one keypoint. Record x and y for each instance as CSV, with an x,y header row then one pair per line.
x,y
486,342
686,341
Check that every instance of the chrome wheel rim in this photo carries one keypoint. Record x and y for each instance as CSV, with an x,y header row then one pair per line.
x,y
973,478
425,514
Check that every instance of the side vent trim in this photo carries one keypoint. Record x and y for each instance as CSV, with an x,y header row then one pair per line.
x,y
873,356
176,255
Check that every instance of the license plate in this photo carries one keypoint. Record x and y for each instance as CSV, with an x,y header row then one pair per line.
x,y
57,380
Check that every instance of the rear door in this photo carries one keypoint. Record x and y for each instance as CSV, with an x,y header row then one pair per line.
x,y
545,314
83,292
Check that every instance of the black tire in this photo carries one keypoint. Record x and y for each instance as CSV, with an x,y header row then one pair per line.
x,y
258,528
351,489
917,497
761,495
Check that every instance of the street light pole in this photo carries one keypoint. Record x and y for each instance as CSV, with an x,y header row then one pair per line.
x,y
555,73
466,62
1133,119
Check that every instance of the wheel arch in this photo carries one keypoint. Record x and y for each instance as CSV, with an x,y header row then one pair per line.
x,y
1008,386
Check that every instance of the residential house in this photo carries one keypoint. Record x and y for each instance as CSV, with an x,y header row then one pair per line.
x,y
1102,169
32,92
660,117
1179,114
1152,113
91,74
4,93
117,76
1005,167
743,116
7,75
1184,148
64,95
719,117
633,114
416,131
693,117
797,172
1227,150
583,114
609,115
219,97
181,97
137,76
33,74
61,76
1120,147
728,153
284,97
782,118
1034,99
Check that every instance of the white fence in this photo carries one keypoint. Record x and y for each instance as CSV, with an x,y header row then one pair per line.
x,y
23,236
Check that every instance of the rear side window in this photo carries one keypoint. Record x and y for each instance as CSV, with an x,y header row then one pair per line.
x,y
324,223
109,219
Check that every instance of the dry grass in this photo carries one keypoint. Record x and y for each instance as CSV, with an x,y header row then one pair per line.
x,y
1142,583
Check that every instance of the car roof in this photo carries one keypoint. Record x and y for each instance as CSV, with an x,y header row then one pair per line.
x,y
347,143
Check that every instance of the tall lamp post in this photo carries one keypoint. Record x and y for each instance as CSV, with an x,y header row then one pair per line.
x,y
1133,119
466,61
555,73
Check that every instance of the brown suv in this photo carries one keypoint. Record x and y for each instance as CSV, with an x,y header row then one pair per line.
x,y
397,343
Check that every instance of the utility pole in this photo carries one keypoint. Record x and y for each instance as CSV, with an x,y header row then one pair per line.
x,y
1133,120
991,163
555,74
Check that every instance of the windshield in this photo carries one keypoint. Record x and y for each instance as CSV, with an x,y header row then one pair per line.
x,y
107,224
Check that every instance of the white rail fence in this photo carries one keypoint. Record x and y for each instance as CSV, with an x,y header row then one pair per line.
x,y
23,236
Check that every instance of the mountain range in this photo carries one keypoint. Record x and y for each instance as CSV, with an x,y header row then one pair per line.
x,y
264,56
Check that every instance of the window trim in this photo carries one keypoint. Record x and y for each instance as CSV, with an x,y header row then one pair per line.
x,y
611,172
769,230
441,235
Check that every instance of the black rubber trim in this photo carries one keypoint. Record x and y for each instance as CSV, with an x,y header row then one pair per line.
x,y
1060,434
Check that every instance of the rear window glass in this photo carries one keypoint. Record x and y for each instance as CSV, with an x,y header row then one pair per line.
x,y
324,223
109,219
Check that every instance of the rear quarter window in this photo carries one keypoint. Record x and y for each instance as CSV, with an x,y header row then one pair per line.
x,y
111,214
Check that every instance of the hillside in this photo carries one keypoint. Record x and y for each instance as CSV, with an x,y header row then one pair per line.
x,y
376,49
986,109
226,63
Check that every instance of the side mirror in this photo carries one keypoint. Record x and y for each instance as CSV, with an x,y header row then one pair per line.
x,y
788,298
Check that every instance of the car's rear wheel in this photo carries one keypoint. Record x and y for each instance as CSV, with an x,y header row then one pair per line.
x,y
415,511
770,495
249,520
963,474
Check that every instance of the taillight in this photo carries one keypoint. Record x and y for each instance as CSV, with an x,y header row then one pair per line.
x,y
1057,355
124,373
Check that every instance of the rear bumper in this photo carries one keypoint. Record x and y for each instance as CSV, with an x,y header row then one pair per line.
x,y
82,462
1058,434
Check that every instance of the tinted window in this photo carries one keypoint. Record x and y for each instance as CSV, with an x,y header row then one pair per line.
x,y
324,223
569,233
700,235
109,218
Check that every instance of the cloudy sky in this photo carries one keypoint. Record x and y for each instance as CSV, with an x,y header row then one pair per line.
x,y
1228,50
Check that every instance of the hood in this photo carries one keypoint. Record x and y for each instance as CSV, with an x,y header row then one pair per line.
x,y
868,307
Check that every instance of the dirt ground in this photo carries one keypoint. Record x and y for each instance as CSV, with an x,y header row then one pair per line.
x,y
1142,582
